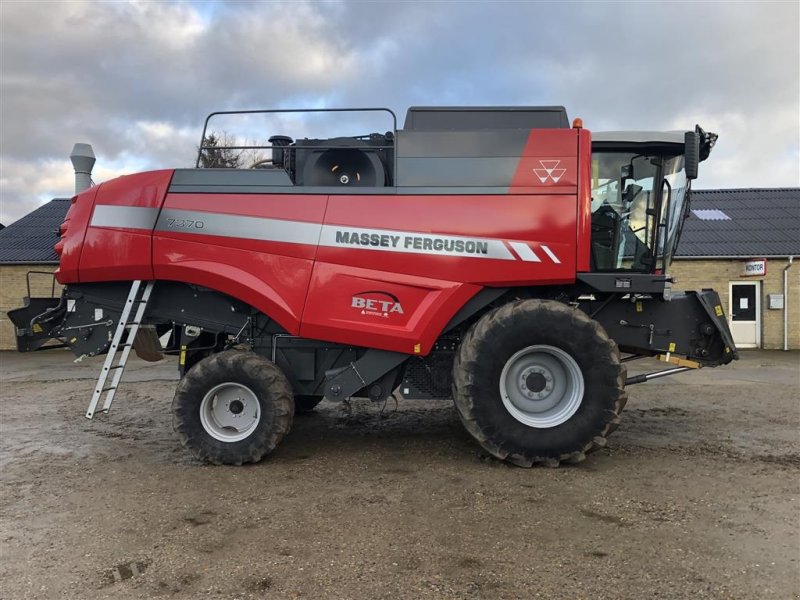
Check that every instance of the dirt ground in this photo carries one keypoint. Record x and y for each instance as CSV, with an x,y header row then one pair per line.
x,y
696,496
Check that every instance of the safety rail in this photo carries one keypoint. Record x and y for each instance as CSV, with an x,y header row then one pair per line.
x,y
203,147
49,273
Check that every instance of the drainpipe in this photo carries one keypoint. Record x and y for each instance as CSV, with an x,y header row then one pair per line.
x,y
786,304
82,158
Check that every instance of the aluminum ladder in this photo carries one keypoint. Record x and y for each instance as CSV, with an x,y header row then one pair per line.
x,y
137,299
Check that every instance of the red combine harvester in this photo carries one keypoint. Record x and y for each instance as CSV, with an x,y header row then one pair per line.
x,y
495,255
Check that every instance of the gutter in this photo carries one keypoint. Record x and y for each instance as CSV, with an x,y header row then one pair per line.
x,y
729,256
786,304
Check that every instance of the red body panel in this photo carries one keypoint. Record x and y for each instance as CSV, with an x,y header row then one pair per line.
x,y
553,150
276,285
377,320
114,253
73,232
385,271
583,231
271,276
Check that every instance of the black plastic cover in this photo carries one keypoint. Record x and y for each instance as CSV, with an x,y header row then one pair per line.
x,y
692,156
472,118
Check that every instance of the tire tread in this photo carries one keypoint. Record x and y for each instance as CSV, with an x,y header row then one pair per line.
x,y
236,365
489,327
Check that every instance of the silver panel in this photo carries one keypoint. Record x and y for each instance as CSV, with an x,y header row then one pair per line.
x,y
130,217
299,232
237,226
639,137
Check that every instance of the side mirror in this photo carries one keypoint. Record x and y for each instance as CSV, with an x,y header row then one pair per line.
x,y
691,154
630,193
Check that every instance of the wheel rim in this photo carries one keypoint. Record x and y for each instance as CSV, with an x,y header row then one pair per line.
x,y
230,412
541,386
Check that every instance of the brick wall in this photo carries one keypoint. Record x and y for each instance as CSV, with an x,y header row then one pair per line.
x,y
13,289
717,274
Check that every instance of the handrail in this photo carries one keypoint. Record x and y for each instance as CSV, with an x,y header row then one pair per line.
x,y
51,274
288,110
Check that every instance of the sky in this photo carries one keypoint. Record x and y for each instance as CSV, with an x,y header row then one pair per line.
x,y
136,79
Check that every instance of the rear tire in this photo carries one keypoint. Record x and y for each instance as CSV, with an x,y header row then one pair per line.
x,y
536,381
232,408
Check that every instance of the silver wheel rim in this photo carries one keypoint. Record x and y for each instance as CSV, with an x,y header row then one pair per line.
x,y
230,412
541,386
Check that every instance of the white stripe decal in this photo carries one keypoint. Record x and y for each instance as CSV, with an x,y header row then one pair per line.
x,y
131,217
525,252
238,226
302,232
549,253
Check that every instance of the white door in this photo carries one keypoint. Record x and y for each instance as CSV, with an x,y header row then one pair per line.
x,y
745,312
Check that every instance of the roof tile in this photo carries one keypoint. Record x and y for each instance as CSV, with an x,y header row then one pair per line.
x,y
31,238
763,221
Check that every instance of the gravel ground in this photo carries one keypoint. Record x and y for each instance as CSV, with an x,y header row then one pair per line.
x,y
696,496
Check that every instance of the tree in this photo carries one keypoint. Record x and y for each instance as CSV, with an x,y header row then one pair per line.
x,y
216,152
224,152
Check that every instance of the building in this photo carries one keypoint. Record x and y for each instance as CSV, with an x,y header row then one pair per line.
x,y
743,243
27,246
740,242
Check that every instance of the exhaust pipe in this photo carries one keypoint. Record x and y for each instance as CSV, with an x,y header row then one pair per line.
x,y
83,159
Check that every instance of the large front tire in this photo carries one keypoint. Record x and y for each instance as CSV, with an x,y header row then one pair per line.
x,y
536,381
232,408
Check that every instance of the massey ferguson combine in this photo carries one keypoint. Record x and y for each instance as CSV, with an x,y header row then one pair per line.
x,y
498,256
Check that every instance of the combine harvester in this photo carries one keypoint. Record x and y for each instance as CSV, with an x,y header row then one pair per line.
x,y
499,256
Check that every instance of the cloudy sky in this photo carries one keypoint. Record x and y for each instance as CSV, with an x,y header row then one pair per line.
x,y
136,79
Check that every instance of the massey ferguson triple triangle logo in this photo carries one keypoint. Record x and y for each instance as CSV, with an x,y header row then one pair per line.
x,y
549,171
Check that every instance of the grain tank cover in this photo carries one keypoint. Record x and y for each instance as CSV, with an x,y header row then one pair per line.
x,y
473,118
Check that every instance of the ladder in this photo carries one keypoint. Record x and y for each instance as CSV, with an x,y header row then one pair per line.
x,y
137,299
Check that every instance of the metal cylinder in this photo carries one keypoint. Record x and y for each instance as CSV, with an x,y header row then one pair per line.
x,y
279,142
83,159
